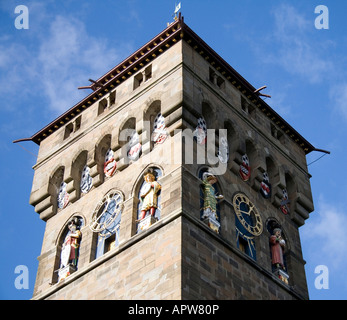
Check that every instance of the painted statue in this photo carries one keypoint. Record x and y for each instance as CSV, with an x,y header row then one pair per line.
x,y
69,252
210,196
149,195
277,244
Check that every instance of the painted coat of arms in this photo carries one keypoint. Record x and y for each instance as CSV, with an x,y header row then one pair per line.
x,y
265,186
63,196
134,147
200,133
285,202
245,169
159,134
110,164
223,152
86,180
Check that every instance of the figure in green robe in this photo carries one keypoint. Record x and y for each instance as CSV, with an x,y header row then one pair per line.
x,y
210,197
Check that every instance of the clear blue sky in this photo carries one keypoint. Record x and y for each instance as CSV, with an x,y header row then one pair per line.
x,y
272,42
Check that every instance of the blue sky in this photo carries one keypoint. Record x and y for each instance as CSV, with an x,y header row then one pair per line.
x,y
272,42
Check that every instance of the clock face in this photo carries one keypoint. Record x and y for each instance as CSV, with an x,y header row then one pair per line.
x,y
107,213
247,214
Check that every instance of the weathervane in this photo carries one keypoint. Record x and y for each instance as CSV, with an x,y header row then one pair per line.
x,y
177,8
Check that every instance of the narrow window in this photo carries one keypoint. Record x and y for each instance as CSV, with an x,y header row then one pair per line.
x,y
212,75
277,134
112,98
244,104
68,130
220,82
102,106
78,123
148,73
142,77
138,79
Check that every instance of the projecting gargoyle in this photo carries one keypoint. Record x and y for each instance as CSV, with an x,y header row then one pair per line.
x,y
262,94
94,86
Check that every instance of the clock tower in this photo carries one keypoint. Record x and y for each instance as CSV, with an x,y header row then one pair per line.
x,y
172,179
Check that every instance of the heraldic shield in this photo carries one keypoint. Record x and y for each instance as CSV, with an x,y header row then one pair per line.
x,y
245,169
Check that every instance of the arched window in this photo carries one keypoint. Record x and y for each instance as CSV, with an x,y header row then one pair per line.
x,y
232,140
68,248
159,132
204,122
104,157
269,178
105,223
57,190
149,196
208,115
289,195
272,170
125,131
248,161
80,174
129,140
209,199
149,117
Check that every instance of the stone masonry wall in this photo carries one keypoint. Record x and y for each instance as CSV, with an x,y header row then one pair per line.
x,y
147,267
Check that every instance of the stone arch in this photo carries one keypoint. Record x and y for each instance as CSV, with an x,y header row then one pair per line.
x,y
55,180
149,114
273,173
101,147
208,114
126,130
77,166
138,188
79,221
135,187
233,139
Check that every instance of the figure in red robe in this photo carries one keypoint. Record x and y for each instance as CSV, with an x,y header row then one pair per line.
x,y
277,248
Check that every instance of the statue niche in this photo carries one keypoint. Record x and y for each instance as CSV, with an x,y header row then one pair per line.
x,y
149,196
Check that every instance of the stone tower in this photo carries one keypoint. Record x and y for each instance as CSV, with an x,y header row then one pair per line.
x,y
172,179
